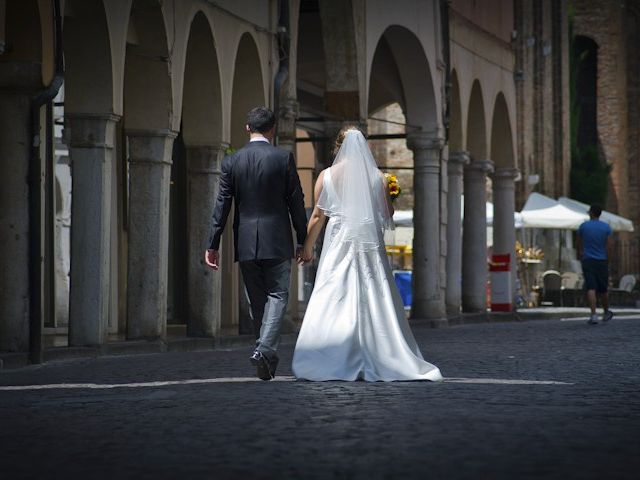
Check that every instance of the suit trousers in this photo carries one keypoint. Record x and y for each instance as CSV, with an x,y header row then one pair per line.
x,y
267,289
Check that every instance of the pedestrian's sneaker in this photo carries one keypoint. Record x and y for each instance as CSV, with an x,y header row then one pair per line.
x,y
593,319
608,315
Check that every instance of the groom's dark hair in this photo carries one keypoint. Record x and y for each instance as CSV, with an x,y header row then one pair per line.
x,y
260,119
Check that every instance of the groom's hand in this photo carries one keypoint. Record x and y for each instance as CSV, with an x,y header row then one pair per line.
x,y
299,255
212,258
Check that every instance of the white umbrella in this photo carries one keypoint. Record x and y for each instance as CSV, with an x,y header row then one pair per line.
x,y
541,211
404,218
616,222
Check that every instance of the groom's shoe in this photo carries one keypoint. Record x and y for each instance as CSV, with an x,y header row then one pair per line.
x,y
273,365
262,368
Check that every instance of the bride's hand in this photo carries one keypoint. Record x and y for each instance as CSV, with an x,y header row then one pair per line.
x,y
307,254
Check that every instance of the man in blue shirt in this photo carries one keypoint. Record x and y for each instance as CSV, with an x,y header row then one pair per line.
x,y
594,247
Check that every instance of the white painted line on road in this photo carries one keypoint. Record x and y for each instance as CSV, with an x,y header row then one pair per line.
x,y
201,381
168,383
615,317
499,381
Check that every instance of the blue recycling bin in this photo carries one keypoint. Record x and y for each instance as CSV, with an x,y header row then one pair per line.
x,y
403,282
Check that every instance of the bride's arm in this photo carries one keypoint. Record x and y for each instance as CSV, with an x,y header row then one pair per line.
x,y
316,222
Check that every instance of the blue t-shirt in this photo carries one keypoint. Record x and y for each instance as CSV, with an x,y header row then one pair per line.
x,y
594,234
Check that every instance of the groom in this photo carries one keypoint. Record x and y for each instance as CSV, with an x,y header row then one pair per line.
x,y
263,182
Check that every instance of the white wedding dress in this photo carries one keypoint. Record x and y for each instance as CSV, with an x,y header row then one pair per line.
x,y
355,325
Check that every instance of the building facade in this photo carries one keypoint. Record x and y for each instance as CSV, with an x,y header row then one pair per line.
x,y
110,166
154,92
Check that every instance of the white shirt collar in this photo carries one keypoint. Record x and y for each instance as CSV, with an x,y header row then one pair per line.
x,y
259,139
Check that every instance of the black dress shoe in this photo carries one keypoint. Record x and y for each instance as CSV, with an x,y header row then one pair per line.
x,y
262,367
273,364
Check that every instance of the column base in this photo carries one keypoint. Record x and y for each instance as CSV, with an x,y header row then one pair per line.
x,y
429,309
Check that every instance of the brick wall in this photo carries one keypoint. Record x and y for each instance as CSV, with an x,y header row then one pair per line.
x,y
394,153
542,96
613,25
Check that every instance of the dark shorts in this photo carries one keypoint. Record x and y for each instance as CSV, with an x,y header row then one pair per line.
x,y
596,274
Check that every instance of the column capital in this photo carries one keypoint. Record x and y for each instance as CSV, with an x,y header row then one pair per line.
x,y
479,167
159,132
505,174
457,161
150,146
417,141
289,109
211,146
90,130
459,156
205,159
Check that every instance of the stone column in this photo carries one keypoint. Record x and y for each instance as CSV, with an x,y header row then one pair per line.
x,y
474,240
205,285
287,116
428,301
91,143
149,176
453,296
504,232
15,148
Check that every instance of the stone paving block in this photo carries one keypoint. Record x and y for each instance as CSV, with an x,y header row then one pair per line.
x,y
544,399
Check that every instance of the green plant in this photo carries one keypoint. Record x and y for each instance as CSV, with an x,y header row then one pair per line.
x,y
589,176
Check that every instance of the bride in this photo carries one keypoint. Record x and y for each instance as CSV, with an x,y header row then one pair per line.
x,y
355,325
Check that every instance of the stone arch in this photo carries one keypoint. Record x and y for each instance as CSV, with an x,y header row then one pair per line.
x,y
502,153
87,55
193,292
202,103
247,91
456,131
408,80
147,80
476,124
148,117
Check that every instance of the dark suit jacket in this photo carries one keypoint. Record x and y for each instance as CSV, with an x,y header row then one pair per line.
x,y
263,182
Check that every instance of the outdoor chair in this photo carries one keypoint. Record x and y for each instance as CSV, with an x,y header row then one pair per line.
x,y
551,288
623,295
571,280
627,283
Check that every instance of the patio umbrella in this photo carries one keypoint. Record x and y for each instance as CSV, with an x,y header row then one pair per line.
x,y
541,211
616,222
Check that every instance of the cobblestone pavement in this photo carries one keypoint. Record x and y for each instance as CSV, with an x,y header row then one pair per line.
x,y
584,426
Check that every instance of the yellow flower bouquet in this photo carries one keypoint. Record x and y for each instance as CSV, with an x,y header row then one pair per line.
x,y
394,186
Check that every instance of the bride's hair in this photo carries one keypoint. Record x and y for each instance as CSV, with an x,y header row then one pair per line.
x,y
340,137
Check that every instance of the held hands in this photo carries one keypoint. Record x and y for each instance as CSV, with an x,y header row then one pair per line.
x,y
212,259
304,255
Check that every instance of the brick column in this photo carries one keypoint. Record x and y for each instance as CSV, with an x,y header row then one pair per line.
x,y
149,176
